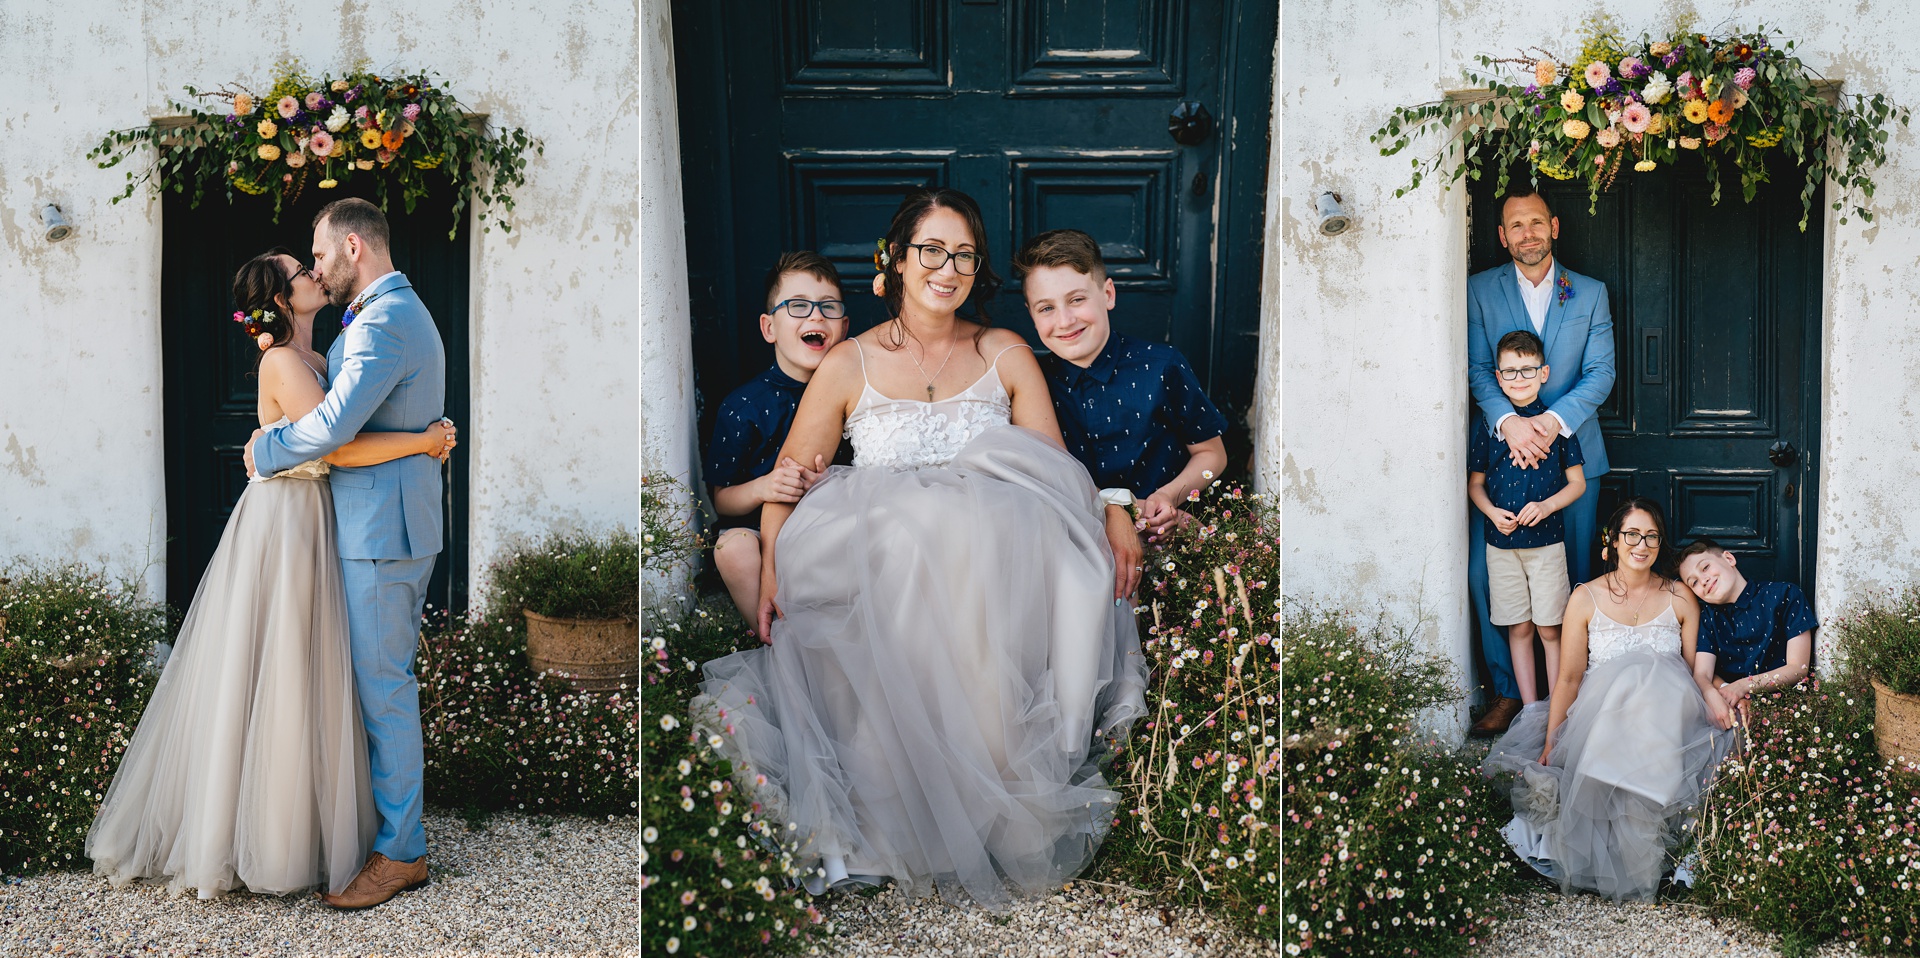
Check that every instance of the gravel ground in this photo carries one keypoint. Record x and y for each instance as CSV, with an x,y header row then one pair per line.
x,y
1552,924
1085,920
522,886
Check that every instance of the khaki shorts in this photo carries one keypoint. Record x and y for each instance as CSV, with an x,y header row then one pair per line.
x,y
1528,585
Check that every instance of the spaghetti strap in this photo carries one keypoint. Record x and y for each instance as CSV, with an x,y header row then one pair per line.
x,y
1003,352
863,362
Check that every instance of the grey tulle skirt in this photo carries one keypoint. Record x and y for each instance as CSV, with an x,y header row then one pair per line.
x,y
950,670
1629,766
249,765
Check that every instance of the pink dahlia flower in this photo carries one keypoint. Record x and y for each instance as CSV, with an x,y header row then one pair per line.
x,y
411,112
1636,117
1744,77
321,143
1598,74
313,100
288,106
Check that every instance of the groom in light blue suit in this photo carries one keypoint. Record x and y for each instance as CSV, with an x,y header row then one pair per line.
x,y
1569,313
389,375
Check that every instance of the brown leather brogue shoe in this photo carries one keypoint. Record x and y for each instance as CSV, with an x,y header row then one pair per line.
x,y
1497,719
379,880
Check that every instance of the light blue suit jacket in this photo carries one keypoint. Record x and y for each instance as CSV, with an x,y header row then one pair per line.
x,y
1579,341
389,375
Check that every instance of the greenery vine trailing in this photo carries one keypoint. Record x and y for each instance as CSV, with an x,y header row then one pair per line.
x,y
1641,103
402,132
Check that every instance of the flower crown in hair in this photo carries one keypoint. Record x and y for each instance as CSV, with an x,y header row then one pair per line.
x,y
880,262
256,323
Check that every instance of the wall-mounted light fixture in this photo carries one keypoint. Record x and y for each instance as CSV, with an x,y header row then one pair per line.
x,y
56,223
1333,218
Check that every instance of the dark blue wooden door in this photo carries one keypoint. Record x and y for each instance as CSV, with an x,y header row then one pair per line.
x,y
805,122
1715,407
207,364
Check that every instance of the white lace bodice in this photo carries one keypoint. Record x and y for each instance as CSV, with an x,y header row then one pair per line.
x,y
908,433
1607,639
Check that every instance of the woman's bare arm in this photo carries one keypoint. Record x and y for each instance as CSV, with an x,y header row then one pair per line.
x,y
813,437
287,382
1573,664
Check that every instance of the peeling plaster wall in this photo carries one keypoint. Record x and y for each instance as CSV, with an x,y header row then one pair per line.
x,y
667,418
1266,391
1372,473
555,402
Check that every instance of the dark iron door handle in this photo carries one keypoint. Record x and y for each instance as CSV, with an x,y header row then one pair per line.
x,y
1783,454
1190,124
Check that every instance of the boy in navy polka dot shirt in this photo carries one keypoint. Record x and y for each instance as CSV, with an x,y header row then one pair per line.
x,y
1526,546
806,316
1132,412
1753,634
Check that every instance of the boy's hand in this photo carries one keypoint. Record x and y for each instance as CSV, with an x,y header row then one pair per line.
x,y
787,482
1719,711
1532,513
1503,520
1159,513
1734,694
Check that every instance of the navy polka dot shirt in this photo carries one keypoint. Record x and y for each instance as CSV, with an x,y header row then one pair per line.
x,y
1749,635
1131,414
1511,487
748,432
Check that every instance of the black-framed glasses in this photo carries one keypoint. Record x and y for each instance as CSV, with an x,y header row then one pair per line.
x,y
802,308
1635,538
299,271
934,257
1521,372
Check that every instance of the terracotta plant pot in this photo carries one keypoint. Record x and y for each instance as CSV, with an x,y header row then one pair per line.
x,y
1896,725
594,655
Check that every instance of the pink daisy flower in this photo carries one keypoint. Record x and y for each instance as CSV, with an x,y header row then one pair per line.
x,y
313,100
1636,117
288,106
1598,74
321,143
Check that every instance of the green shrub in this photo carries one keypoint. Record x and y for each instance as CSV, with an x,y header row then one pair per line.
x,y
571,576
1200,781
73,682
1809,833
1392,844
499,736
1882,637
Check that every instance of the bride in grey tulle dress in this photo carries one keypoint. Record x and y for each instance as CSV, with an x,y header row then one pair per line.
x,y
1634,741
249,765
948,664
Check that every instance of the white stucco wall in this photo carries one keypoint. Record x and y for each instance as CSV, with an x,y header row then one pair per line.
x,y
1373,481
555,402
1266,390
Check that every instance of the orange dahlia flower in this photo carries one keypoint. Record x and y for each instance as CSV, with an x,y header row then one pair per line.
x,y
391,139
1720,111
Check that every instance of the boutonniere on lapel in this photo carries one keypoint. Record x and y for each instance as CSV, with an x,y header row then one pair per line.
x,y
361,303
1566,286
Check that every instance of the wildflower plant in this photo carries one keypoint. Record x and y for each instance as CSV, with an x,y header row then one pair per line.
x,y
1808,833
571,576
498,736
1881,638
1732,97
75,648
1200,783
1391,843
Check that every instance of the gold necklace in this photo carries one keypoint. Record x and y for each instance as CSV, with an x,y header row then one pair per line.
x,y
936,373
1638,608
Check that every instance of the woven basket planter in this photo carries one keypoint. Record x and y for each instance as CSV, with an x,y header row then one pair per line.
x,y
593,655
1896,725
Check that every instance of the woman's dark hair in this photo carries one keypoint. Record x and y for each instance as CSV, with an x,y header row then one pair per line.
x,y
261,284
1611,531
907,219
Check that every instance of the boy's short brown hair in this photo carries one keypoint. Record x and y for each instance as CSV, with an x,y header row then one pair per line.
x,y
1522,344
1695,548
1070,248
801,261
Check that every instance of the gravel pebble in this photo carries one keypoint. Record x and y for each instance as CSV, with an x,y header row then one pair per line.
x,y
525,885
1552,924
1090,919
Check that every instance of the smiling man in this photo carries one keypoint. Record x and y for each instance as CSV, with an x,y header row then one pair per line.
x,y
1568,311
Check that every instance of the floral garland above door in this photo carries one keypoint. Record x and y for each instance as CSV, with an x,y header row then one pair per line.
x,y
403,133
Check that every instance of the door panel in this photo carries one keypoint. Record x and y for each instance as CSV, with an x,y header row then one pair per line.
x,y
1716,326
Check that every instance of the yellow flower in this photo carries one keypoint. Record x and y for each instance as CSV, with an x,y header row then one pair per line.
x,y
296,159
1695,111
1644,166
1544,72
269,152
339,148
329,184
1657,125
1660,48
339,86
1689,142
1576,129
242,104
1571,101
363,164
266,129
370,139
